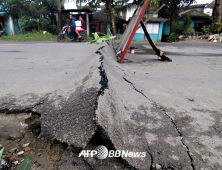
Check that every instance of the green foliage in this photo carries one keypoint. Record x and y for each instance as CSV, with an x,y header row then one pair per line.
x,y
38,36
154,3
16,7
1,152
189,31
33,14
96,39
28,23
211,28
173,7
26,165
184,28
178,29
44,22
173,37
208,29
218,27
186,22
205,29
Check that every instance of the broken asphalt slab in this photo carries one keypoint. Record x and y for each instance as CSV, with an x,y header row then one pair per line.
x,y
188,92
80,90
61,86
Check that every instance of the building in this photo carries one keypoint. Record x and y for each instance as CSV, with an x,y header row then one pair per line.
x,y
101,22
9,24
199,19
211,6
198,7
154,26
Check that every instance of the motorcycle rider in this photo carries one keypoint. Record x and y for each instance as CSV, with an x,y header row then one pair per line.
x,y
72,26
82,28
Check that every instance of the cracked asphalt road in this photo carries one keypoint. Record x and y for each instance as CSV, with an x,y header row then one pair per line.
x,y
40,67
171,110
189,92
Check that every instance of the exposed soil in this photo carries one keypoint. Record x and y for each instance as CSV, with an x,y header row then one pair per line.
x,y
21,132
21,138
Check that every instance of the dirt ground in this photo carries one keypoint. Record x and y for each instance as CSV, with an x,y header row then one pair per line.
x,y
21,133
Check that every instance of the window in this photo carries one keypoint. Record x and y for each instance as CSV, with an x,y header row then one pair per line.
x,y
152,28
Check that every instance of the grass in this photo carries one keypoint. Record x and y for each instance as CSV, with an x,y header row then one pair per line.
x,y
89,38
38,36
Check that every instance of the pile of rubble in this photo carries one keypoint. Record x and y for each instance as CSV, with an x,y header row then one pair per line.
x,y
215,38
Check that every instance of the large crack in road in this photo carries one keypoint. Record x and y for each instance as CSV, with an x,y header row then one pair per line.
x,y
101,106
173,122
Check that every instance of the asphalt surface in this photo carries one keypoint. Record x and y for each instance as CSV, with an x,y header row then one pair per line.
x,y
189,92
51,79
170,110
40,67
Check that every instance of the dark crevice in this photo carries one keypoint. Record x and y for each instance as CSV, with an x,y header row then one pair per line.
x,y
181,135
108,42
182,141
98,140
170,168
151,156
88,164
148,148
177,129
104,136
135,87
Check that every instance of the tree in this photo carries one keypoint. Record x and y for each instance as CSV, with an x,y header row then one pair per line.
x,y
109,4
59,15
217,11
16,7
31,13
114,6
172,8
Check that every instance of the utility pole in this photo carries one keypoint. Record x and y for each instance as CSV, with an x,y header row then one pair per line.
x,y
59,15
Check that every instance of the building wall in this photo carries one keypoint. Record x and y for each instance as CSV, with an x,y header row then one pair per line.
x,y
70,4
11,27
141,37
166,27
154,32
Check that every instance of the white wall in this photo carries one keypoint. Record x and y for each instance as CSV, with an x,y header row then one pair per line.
x,y
152,28
70,4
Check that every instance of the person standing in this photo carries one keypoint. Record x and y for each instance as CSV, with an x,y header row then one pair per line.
x,y
72,26
83,27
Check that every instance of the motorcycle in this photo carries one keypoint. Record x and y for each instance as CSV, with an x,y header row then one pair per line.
x,y
64,34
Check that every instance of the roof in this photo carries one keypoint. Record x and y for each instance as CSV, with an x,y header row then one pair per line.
x,y
198,6
102,17
159,19
193,13
76,10
211,5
